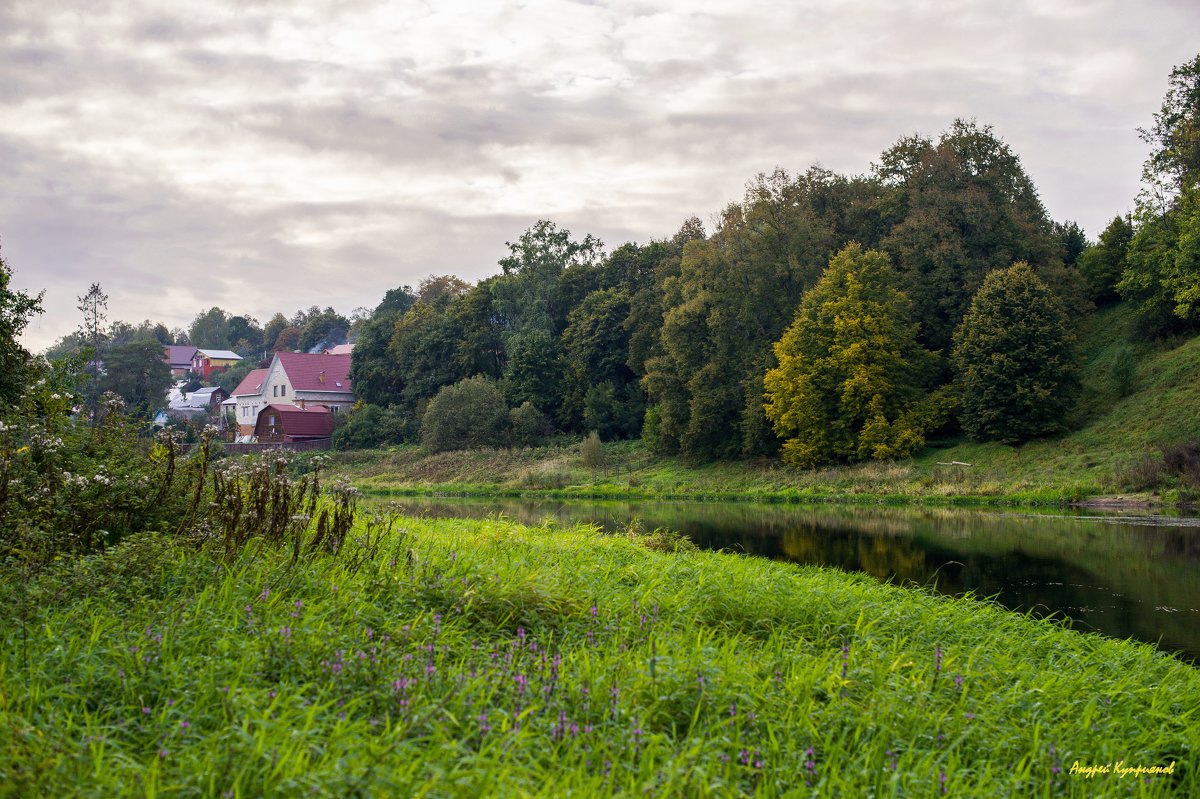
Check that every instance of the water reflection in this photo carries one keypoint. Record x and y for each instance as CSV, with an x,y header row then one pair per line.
x,y
1125,577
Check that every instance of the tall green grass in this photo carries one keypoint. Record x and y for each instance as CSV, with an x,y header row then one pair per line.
x,y
459,658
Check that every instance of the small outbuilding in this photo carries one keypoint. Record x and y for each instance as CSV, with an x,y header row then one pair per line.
x,y
278,424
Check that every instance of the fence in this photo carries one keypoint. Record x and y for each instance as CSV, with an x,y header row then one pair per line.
x,y
241,449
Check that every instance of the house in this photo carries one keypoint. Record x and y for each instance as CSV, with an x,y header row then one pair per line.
x,y
179,358
248,400
339,349
282,424
205,362
294,378
205,400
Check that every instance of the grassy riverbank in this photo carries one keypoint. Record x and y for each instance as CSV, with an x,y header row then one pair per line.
x,y
456,658
1119,433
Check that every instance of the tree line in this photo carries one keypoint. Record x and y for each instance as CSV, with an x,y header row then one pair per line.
x,y
828,317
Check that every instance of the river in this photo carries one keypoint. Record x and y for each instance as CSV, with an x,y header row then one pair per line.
x,y
1124,576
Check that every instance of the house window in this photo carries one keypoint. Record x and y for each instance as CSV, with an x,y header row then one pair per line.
x,y
283,390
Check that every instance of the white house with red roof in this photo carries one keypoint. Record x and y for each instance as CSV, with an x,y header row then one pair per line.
x,y
294,378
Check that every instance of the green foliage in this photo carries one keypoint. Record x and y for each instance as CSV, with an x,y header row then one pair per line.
x,y
210,329
471,413
734,295
368,426
1102,264
956,210
376,381
1174,162
546,273
16,309
614,412
1162,273
322,330
601,389
138,374
1124,372
1015,359
67,487
245,336
528,426
849,367
142,670
592,451
271,330
534,369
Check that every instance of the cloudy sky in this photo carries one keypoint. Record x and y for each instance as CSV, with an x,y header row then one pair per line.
x,y
265,156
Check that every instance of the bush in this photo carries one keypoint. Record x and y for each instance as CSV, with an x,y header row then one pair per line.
x,y
1124,372
529,426
592,451
369,426
467,415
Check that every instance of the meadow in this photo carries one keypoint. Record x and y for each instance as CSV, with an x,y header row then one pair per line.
x,y
465,658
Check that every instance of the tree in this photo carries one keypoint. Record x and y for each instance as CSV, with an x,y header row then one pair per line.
x,y
1162,268
1103,263
376,380
849,367
539,285
467,415
1015,359
958,209
528,426
210,329
369,426
734,296
1174,162
16,308
322,330
596,351
94,306
245,336
287,340
137,373
271,330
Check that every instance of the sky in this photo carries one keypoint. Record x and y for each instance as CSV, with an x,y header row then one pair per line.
x,y
268,156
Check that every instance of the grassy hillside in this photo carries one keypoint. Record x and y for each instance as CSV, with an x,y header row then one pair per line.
x,y
1113,449
455,658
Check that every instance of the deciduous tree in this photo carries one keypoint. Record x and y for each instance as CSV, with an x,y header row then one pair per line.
x,y
1015,359
849,367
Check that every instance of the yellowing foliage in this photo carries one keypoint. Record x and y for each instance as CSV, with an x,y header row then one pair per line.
x,y
849,367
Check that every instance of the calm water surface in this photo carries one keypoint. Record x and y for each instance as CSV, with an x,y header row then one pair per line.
x,y
1124,576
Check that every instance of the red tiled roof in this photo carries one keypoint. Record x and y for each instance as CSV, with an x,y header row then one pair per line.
x,y
317,372
251,383
315,421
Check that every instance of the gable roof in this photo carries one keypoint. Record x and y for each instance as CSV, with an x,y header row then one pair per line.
x,y
251,383
315,421
179,354
317,372
219,355
340,349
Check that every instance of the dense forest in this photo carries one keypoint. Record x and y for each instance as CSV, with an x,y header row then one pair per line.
x,y
832,318
827,318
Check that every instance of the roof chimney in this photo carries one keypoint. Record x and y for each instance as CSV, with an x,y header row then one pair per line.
x,y
321,377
